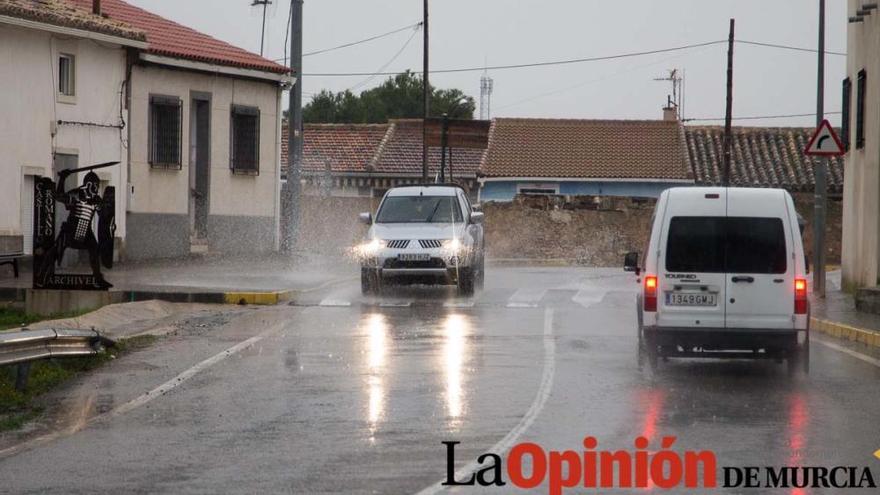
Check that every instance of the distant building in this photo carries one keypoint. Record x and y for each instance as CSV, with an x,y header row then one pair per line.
x,y
761,157
365,160
633,158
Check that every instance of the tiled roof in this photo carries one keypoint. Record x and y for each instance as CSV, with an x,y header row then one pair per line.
x,y
347,147
170,39
761,156
608,149
62,13
402,153
393,149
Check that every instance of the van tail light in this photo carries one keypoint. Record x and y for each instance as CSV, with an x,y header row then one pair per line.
x,y
800,296
650,297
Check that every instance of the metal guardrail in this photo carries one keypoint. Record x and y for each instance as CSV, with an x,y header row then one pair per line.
x,y
31,345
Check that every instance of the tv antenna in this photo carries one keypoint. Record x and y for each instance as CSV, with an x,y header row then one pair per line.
x,y
676,100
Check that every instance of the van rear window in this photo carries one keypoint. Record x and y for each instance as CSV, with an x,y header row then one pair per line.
x,y
726,245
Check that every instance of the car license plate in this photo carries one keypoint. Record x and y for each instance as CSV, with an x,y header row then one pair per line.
x,y
413,257
690,299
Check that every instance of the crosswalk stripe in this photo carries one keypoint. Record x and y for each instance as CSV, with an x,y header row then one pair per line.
x,y
589,297
459,304
526,298
395,304
334,303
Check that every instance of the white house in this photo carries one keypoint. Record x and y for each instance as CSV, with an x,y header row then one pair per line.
x,y
194,122
63,72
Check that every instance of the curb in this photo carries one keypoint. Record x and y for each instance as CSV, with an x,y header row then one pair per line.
x,y
846,332
258,298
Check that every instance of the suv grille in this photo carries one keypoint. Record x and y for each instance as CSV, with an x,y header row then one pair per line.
x,y
430,243
398,244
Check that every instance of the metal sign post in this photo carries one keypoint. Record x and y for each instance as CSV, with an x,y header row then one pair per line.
x,y
822,145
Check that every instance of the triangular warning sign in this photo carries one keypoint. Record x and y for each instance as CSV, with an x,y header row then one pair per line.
x,y
825,142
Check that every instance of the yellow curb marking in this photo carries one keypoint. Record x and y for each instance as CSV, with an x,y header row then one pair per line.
x,y
847,332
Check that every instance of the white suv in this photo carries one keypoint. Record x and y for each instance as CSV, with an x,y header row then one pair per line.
x,y
426,234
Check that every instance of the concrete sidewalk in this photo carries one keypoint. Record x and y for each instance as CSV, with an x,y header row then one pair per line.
x,y
231,280
837,315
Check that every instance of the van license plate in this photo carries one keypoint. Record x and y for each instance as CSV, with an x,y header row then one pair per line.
x,y
414,257
696,299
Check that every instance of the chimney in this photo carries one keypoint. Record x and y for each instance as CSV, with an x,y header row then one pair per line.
x,y
96,7
670,114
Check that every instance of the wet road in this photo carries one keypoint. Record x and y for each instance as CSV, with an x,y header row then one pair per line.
x,y
344,394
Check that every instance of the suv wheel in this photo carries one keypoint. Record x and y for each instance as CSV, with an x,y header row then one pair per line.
x,y
466,281
369,281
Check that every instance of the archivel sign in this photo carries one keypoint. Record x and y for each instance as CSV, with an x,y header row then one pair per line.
x,y
77,232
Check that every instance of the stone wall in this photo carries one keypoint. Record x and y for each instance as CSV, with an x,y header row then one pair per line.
x,y
585,230
599,231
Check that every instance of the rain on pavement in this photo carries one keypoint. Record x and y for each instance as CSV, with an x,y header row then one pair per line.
x,y
340,393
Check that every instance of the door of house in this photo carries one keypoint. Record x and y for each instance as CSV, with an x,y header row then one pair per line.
x,y
200,170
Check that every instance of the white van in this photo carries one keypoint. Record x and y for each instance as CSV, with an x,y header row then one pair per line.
x,y
724,275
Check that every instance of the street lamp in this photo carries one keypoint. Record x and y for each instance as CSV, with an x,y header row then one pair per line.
x,y
444,139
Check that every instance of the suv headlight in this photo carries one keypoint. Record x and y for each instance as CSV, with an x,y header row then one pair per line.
x,y
371,247
454,246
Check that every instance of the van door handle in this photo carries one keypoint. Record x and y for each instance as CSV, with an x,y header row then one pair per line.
x,y
737,280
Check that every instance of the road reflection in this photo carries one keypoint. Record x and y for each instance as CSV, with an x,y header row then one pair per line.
x,y
456,329
377,349
798,419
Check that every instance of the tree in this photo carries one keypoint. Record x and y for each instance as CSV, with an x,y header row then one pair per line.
x,y
399,97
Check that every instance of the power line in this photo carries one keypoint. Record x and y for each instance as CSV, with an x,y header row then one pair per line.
x,y
762,117
787,47
395,57
522,66
359,42
573,61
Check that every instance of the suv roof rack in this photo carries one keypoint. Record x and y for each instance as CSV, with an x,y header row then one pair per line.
x,y
435,184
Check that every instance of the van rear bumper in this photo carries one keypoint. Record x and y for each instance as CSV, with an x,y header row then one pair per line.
x,y
723,339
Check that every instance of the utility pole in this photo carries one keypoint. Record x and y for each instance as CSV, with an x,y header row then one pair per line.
x,y
426,89
294,131
728,119
264,4
820,193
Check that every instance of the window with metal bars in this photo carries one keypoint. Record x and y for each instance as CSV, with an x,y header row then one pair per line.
x,y
846,103
165,132
245,140
860,109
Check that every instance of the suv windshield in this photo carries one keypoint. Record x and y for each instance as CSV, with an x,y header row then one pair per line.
x,y
726,245
419,209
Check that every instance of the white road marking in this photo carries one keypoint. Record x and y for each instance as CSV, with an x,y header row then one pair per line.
x,y
334,303
855,354
459,304
526,298
589,297
395,304
537,405
143,399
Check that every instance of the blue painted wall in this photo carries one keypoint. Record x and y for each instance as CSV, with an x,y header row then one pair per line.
x,y
506,190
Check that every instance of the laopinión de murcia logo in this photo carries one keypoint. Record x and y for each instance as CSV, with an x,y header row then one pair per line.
x,y
529,466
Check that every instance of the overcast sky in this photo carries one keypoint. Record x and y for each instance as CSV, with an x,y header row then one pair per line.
x,y
468,33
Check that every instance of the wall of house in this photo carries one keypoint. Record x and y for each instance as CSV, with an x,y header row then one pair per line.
x,y
31,107
861,190
243,209
505,190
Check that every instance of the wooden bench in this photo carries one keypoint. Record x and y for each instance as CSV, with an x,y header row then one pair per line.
x,y
11,259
